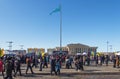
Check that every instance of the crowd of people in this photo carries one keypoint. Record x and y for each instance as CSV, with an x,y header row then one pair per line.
x,y
10,66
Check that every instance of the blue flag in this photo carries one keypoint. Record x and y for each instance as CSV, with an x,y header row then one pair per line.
x,y
56,10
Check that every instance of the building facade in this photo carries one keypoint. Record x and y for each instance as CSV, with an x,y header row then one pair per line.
x,y
63,48
50,50
80,48
76,48
37,51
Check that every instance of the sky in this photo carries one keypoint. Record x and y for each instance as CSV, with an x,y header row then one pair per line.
x,y
89,22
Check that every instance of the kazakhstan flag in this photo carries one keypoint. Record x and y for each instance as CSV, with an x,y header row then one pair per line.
x,y
56,10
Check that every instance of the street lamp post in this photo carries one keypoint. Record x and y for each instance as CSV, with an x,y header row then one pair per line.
x,y
21,47
107,46
60,29
110,48
10,46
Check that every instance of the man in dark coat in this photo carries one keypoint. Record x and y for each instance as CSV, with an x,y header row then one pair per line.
x,y
41,63
17,67
8,68
53,65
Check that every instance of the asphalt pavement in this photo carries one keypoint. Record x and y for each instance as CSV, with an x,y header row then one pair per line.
x,y
90,72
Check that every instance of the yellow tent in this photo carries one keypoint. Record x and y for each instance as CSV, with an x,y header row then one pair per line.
x,y
99,54
92,53
1,52
43,54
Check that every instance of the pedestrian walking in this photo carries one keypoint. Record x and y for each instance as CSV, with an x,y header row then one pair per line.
x,y
13,64
17,67
45,62
52,63
28,61
1,67
41,63
8,68
57,67
34,62
80,64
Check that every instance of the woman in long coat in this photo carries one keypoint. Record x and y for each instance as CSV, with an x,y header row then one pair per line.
x,y
117,61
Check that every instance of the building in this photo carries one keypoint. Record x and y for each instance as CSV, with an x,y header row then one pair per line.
x,y
19,52
76,48
16,52
36,50
50,50
63,48
80,48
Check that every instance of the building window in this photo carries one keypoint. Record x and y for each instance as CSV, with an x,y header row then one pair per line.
x,y
80,50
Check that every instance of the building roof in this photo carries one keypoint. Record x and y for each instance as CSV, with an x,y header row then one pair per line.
x,y
77,44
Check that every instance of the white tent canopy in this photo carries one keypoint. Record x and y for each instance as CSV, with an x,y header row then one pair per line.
x,y
79,53
117,53
84,53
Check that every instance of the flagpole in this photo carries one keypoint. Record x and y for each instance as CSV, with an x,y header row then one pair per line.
x,y
60,29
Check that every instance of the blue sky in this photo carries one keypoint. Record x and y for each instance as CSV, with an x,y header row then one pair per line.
x,y
90,22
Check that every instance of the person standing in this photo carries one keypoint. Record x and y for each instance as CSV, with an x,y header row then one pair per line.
x,y
107,60
81,63
96,59
114,61
67,62
88,60
84,59
117,61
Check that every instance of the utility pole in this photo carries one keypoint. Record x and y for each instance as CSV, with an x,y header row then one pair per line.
x,y
21,47
107,46
10,46
110,48
0,46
